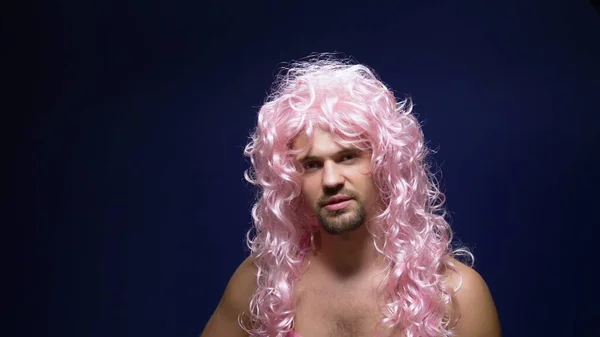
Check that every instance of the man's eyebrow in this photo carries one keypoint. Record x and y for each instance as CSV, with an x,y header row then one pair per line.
x,y
337,154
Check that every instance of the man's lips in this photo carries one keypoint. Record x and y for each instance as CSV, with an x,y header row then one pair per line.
x,y
336,199
337,203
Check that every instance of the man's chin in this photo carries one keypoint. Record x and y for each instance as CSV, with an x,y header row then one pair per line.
x,y
340,223
337,229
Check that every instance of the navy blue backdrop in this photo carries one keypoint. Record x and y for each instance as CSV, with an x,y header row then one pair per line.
x,y
131,205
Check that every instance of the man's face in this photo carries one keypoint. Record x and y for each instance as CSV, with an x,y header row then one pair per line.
x,y
336,182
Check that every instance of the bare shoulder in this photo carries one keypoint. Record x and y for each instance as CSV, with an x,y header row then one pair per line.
x,y
473,307
242,284
234,304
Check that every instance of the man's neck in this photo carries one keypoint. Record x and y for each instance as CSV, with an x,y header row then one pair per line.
x,y
347,255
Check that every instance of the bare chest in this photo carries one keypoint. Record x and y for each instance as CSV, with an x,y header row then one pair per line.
x,y
326,310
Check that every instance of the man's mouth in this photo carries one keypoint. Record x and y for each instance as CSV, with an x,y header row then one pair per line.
x,y
337,203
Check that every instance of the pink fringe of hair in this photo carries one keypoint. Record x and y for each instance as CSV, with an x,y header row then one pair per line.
x,y
412,233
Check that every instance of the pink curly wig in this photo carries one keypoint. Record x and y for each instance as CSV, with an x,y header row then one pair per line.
x,y
411,233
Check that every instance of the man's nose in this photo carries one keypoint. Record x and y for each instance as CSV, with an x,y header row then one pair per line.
x,y
333,179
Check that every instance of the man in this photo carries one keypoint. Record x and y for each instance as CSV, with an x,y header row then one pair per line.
x,y
350,237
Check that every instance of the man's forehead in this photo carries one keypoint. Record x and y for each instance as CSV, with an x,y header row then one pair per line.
x,y
323,143
317,136
300,141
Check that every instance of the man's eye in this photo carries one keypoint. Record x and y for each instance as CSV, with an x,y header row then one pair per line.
x,y
348,157
311,166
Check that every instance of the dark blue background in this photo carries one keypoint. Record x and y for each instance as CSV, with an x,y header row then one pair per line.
x,y
130,207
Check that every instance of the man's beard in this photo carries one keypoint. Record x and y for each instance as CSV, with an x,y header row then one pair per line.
x,y
344,220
